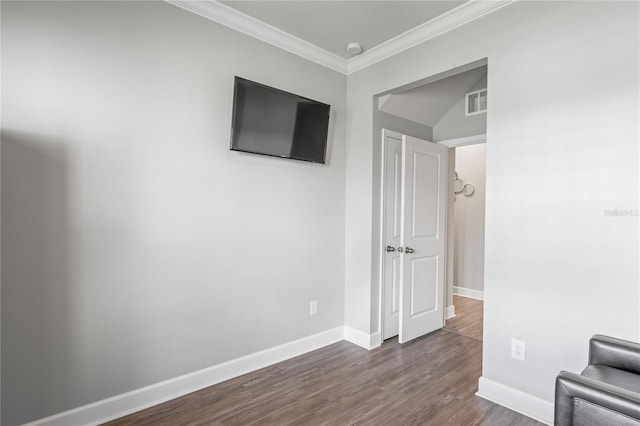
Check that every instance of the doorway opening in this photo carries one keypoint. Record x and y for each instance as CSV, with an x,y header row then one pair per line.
x,y
435,110
466,240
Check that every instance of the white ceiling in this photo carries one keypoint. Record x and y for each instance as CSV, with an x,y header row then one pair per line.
x,y
427,104
318,30
330,25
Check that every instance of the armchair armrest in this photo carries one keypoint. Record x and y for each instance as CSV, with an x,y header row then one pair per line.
x,y
570,386
614,353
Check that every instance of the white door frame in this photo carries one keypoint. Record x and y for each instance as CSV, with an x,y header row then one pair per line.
x,y
450,143
467,140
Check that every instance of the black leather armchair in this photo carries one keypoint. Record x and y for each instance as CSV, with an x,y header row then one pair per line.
x,y
608,390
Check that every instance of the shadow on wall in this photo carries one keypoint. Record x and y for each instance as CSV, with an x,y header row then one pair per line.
x,y
36,298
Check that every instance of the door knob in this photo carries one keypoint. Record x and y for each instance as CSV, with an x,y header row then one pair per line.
x,y
408,250
390,249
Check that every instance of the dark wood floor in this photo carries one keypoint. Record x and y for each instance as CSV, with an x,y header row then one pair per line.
x,y
468,319
429,381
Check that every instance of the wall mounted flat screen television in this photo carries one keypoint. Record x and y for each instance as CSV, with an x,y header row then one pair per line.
x,y
273,122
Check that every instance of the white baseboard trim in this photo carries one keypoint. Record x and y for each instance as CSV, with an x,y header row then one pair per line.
x,y
451,312
139,399
375,340
364,340
516,400
468,292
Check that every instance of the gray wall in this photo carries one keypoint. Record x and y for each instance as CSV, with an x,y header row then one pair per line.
x,y
557,264
468,256
136,246
455,124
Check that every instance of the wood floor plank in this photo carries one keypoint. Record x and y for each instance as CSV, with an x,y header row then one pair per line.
x,y
468,320
429,381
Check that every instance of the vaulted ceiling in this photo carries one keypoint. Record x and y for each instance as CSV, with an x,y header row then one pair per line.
x,y
427,104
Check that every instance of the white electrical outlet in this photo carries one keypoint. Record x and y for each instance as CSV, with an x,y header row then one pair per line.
x,y
518,349
313,307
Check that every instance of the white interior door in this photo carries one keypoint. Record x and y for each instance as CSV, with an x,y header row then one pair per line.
x,y
391,225
423,235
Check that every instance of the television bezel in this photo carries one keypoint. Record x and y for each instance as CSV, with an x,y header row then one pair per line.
x,y
287,157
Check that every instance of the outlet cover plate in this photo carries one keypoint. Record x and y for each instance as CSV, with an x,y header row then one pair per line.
x,y
518,349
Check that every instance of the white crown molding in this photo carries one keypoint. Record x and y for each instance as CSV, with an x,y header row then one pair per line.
x,y
250,26
454,18
232,18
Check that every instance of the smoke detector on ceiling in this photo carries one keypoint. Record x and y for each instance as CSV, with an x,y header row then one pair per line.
x,y
354,48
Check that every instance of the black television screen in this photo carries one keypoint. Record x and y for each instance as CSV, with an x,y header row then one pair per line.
x,y
273,122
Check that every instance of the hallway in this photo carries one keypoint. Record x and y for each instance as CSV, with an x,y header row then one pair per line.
x,y
468,319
